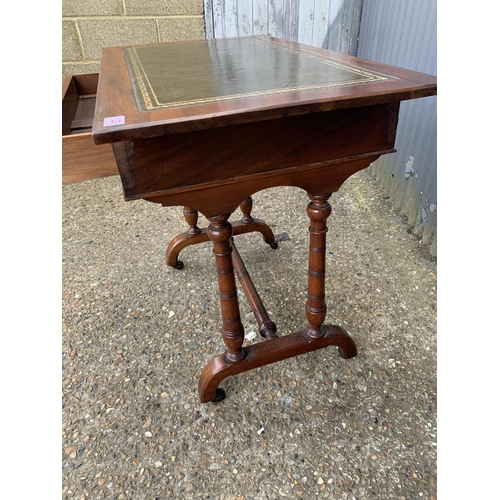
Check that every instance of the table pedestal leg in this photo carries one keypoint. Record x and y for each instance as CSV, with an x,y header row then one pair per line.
x,y
315,336
220,232
318,211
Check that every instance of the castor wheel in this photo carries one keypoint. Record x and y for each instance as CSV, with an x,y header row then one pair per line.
x,y
179,265
220,395
273,245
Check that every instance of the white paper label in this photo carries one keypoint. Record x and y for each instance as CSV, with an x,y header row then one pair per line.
x,y
114,120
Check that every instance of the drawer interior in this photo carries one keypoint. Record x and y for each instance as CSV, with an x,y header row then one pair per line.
x,y
78,104
82,159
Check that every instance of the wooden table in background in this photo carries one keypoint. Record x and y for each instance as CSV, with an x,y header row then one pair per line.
x,y
205,124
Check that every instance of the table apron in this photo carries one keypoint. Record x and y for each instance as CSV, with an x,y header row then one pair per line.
x,y
285,150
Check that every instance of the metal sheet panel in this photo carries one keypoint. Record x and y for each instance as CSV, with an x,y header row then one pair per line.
x,y
398,32
403,33
331,24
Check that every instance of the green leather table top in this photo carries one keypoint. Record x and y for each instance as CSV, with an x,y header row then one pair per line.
x,y
198,72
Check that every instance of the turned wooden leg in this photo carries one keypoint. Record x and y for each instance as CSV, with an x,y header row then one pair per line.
x,y
318,211
249,223
246,210
220,232
191,217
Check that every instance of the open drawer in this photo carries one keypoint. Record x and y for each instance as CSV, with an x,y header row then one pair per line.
x,y
82,159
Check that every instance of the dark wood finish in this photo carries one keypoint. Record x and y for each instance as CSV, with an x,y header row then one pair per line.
x,y
70,100
316,336
267,327
82,160
191,217
116,97
220,232
170,163
229,137
271,351
246,209
195,235
318,210
84,114
185,239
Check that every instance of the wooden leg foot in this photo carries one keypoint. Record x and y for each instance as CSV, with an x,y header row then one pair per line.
x,y
192,236
220,395
182,241
346,345
256,225
271,351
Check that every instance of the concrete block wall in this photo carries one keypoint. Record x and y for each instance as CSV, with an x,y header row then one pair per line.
x,y
90,25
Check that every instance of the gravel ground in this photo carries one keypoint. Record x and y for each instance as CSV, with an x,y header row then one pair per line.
x,y
137,334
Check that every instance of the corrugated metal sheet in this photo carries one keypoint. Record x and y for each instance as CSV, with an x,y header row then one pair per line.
x,y
331,24
398,32
403,33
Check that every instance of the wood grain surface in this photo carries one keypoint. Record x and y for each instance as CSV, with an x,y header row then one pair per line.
x,y
116,97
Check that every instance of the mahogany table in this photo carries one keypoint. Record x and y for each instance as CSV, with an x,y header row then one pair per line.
x,y
205,124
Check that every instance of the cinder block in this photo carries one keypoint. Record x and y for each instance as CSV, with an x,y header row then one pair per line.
x,y
164,8
92,7
177,29
99,33
71,48
80,68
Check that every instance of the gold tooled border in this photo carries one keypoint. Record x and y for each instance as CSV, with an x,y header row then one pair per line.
x,y
151,102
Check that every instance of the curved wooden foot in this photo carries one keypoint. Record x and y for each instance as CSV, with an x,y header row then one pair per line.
x,y
183,240
256,225
271,351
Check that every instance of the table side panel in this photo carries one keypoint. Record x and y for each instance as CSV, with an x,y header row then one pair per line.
x,y
209,156
70,101
224,198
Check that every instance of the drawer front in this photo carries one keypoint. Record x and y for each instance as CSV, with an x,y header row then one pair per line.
x,y
82,159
